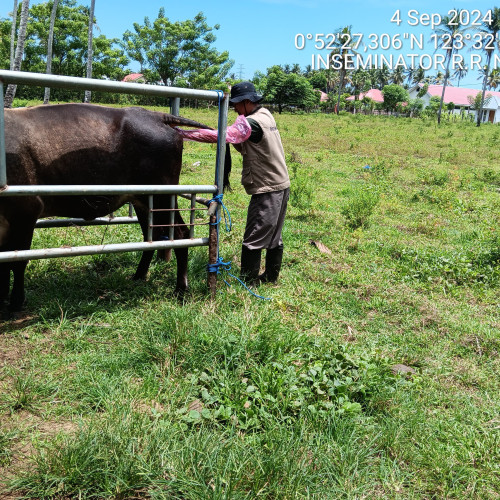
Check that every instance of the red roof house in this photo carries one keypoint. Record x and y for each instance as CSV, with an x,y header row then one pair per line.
x,y
459,97
135,77
373,94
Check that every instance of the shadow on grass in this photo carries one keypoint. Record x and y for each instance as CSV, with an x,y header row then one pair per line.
x,y
100,284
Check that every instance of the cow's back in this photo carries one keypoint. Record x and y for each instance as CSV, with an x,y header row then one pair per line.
x,y
88,144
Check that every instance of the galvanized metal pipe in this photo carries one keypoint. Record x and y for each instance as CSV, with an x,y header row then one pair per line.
x,y
71,82
171,218
76,189
221,143
3,158
191,216
100,221
46,253
175,106
150,218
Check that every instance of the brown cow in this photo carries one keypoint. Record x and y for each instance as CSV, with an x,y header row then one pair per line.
x,y
86,144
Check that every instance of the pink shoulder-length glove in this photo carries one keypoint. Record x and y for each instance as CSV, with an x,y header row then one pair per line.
x,y
236,133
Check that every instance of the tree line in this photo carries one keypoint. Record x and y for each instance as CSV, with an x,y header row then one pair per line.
x,y
57,37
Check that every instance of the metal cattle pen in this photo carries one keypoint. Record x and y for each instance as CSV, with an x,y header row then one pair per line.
x,y
212,241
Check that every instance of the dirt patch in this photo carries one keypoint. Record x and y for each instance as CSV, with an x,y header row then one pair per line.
x,y
12,350
28,426
18,322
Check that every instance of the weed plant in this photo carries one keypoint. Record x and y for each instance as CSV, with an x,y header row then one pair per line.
x,y
113,389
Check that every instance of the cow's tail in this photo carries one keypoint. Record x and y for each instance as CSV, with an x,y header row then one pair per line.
x,y
186,122
227,168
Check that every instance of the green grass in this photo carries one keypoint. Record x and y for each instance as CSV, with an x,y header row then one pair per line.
x,y
112,389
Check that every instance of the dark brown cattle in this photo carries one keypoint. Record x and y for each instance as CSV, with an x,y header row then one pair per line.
x,y
86,144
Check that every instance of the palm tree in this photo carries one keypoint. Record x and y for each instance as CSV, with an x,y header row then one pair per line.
x,y
410,72
21,38
332,78
50,41
398,76
494,79
438,79
460,72
340,53
383,76
359,82
13,35
448,34
418,75
489,29
90,50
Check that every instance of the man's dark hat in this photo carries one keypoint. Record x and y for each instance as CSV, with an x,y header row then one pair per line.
x,y
242,91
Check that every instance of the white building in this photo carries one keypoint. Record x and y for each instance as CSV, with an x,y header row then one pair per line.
x,y
458,96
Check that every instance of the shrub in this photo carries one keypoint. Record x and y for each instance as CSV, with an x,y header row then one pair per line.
x,y
359,208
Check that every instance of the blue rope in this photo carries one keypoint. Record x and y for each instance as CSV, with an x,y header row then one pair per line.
x,y
226,266
220,264
225,211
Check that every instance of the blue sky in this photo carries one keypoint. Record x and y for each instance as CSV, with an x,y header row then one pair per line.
x,y
261,33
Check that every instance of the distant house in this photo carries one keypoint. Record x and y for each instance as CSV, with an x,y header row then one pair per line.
x,y
373,94
135,78
458,96
323,95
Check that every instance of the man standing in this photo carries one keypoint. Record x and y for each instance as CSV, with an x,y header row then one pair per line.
x,y
265,178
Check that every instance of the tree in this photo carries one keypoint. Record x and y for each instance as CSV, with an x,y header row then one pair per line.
x,y
383,76
69,48
90,51
289,89
478,102
489,29
317,79
50,41
415,106
13,35
332,79
450,33
398,76
394,95
459,73
494,79
359,82
339,57
21,38
177,51
418,75
433,106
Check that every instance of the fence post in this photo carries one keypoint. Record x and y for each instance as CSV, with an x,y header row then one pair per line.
x,y
213,239
3,160
175,106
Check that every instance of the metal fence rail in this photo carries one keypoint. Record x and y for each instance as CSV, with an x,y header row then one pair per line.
x,y
18,77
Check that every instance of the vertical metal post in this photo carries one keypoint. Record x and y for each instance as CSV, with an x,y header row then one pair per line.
x,y
3,158
191,215
213,242
171,219
150,218
175,106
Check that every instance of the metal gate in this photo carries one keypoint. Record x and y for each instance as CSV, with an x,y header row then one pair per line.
x,y
17,77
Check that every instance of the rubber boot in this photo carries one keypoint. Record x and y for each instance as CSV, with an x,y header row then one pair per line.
x,y
250,266
274,257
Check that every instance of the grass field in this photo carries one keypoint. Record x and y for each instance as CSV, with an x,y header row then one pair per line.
x,y
112,389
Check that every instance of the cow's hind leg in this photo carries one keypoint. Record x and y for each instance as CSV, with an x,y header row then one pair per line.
x,y
17,296
4,266
4,281
146,257
20,236
180,232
